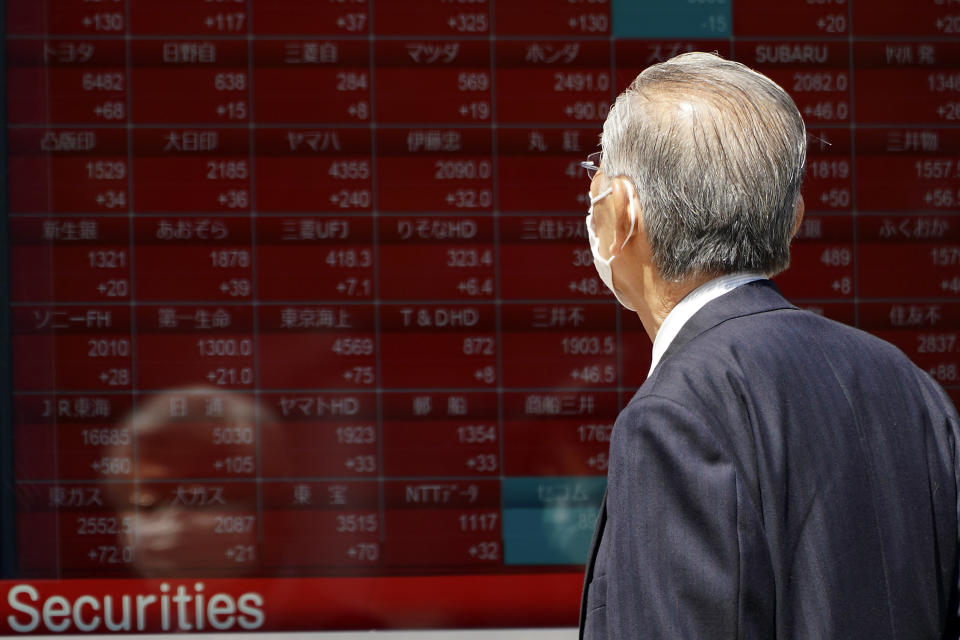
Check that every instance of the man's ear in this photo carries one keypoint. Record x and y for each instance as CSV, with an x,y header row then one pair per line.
x,y
799,215
626,207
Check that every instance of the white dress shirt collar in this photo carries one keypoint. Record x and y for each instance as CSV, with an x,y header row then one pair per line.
x,y
691,303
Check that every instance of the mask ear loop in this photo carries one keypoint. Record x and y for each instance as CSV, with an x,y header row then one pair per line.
x,y
633,215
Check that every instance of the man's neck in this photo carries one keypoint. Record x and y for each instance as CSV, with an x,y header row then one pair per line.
x,y
662,296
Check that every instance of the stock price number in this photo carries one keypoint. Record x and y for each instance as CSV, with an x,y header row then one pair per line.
x,y
594,432
357,434
225,347
587,345
349,170
105,437
233,524
485,551
106,170
478,521
353,346
357,523
594,374
232,435
349,258
477,434
103,525
936,343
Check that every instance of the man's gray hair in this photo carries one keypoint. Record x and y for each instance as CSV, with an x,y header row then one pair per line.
x,y
716,152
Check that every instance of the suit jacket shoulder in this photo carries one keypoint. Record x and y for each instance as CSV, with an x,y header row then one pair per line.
x,y
820,453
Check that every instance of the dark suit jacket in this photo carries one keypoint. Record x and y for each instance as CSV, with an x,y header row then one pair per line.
x,y
779,475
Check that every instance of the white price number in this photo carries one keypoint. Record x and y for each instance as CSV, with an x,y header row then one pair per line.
x,y
467,258
485,550
367,551
107,259
225,376
836,257
229,258
476,433
473,81
111,554
475,110
598,462
349,170
360,434
476,286
590,23
478,521
594,374
233,524
353,346
225,347
355,523
470,198
829,169
111,199
352,22
232,110
835,198
941,198
114,288
946,372
361,464
478,346
945,256
102,81
115,377
813,81
112,466
231,22
468,22
349,258
347,199
937,169
234,435
827,111
359,375
842,286
235,465
587,110
107,170
108,348
103,525
106,437
234,199
355,286
462,169
230,82
577,81
241,554
483,463
595,432
236,287
351,81
936,343
587,345
833,23
104,21
486,375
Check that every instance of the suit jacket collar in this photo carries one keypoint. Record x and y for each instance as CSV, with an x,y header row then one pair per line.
x,y
754,297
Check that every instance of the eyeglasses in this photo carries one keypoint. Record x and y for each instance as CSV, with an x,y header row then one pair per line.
x,y
592,163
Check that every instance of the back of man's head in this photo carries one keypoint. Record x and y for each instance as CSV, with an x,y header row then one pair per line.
x,y
716,152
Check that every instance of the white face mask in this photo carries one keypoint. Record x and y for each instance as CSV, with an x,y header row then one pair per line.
x,y
603,264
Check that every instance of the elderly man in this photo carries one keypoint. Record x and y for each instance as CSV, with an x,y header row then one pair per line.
x,y
778,475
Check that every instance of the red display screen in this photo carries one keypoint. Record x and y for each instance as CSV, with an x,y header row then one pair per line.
x,y
304,328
